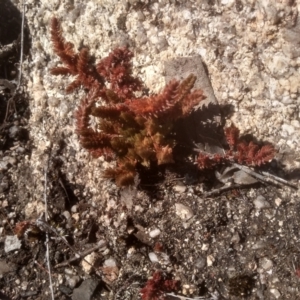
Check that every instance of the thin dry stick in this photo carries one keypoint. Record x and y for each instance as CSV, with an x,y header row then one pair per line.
x,y
214,296
266,177
47,234
272,178
82,254
222,189
45,227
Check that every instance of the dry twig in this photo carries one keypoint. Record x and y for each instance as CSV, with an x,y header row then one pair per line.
x,y
47,235
264,177
78,255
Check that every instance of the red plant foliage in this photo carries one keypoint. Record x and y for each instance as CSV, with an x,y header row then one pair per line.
x,y
157,286
232,136
250,154
136,130
130,129
75,64
175,101
117,69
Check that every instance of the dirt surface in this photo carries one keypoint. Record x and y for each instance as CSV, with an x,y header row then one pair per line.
x,y
240,244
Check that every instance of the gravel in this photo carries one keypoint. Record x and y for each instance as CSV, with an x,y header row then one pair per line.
x,y
240,244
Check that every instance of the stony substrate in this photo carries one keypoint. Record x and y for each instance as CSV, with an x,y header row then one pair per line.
x,y
242,243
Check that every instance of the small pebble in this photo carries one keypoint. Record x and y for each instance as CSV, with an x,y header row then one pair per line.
x,y
266,263
13,131
11,243
66,214
261,203
210,260
154,233
110,262
88,262
72,280
24,285
76,217
204,247
278,201
69,271
11,215
275,293
179,188
183,211
235,238
74,209
153,257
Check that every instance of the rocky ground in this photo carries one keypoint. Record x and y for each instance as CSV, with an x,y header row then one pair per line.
x,y
63,225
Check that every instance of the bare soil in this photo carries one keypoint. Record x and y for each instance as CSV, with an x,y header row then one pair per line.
x,y
220,247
